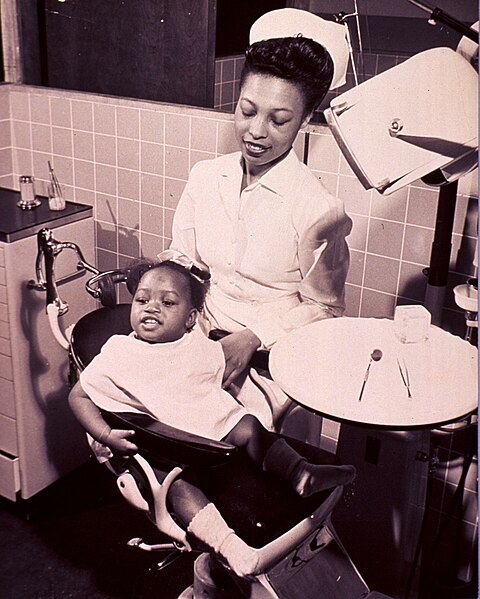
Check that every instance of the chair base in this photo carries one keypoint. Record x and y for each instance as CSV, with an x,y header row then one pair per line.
x,y
187,593
207,584
320,568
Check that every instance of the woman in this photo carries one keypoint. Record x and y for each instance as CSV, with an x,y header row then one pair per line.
x,y
270,233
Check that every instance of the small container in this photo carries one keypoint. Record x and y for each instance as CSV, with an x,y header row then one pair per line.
x,y
56,201
28,199
411,323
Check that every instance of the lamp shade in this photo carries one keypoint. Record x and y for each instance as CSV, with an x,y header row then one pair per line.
x,y
412,120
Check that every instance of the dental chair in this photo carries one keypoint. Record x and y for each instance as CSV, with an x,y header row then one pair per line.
x,y
301,555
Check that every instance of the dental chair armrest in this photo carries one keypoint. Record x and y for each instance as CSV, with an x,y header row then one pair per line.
x,y
273,552
168,445
259,360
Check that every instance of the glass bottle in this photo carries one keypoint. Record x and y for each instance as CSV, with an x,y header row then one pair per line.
x,y
28,199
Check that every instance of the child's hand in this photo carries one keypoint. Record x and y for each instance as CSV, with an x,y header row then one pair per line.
x,y
118,440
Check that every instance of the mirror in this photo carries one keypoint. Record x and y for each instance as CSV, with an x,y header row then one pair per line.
x,y
190,51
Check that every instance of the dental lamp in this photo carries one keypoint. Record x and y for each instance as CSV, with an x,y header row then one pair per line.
x,y
417,120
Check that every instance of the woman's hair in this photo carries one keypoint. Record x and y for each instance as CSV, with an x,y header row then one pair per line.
x,y
300,60
198,289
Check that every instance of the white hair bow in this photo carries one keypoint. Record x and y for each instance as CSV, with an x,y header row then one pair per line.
x,y
194,268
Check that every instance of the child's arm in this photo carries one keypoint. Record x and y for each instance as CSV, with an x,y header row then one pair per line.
x,y
93,422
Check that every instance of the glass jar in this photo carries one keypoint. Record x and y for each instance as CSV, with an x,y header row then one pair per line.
x,y
28,199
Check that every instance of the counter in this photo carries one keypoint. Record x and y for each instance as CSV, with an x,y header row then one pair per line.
x,y
40,440
16,223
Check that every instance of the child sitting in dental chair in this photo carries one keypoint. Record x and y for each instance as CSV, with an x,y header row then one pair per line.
x,y
170,370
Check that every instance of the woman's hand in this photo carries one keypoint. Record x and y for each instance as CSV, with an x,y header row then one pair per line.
x,y
238,348
118,441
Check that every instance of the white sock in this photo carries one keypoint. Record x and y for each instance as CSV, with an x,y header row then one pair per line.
x,y
209,526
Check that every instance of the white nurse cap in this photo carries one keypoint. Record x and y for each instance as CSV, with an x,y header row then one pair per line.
x,y
291,22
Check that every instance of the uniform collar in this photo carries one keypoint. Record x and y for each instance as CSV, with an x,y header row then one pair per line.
x,y
280,178
277,179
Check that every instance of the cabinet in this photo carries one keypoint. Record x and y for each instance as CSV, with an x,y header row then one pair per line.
x,y
39,439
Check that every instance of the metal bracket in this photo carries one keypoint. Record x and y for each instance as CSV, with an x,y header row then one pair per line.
x,y
48,249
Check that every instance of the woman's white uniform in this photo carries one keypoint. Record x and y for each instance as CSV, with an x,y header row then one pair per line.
x,y
276,251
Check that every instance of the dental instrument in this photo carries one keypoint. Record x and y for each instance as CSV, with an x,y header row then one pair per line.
x,y
405,376
375,356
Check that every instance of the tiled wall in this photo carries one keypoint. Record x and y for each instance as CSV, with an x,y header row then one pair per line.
x,y
227,77
130,160
451,526
229,68
109,153
392,237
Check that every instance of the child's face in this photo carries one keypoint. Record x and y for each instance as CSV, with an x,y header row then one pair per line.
x,y
161,307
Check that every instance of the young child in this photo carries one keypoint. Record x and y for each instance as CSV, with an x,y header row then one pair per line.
x,y
170,370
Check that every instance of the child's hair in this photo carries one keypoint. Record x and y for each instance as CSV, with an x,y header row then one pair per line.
x,y
300,60
198,288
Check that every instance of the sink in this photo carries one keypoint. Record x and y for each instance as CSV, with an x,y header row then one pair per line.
x,y
466,296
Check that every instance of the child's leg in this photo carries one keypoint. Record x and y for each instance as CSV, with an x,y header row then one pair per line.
x,y
186,500
250,434
207,524
306,478
275,455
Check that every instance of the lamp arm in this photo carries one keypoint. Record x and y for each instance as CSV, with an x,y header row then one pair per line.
x,y
439,16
